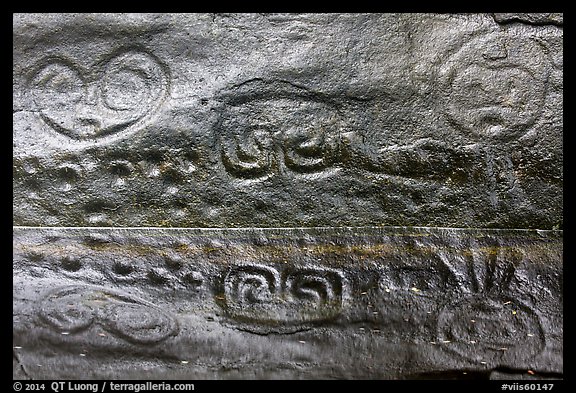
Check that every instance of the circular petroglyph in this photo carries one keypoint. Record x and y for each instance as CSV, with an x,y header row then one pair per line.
x,y
66,310
132,83
139,323
314,286
494,86
115,98
76,308
249,285
495,330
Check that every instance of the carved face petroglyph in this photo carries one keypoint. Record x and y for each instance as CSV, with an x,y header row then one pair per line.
x,y
496,91
107,99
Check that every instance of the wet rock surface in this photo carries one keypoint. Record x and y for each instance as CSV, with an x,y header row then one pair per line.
x,y
287,196
388,303
287,120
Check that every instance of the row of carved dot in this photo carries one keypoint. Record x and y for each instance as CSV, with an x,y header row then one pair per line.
x,y
174,169
154,277
193,278
124,169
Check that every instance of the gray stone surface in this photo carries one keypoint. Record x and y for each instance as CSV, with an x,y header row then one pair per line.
x,y
531,18
271,120
393,303
291,196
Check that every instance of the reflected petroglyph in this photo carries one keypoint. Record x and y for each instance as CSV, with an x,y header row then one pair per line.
x,y
291,196
264,296
495,330
468,296
74,309
489,324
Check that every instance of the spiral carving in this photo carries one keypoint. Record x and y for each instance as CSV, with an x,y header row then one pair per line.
x,y
247,156
314,286
249,285
139,323
256,142
262,294
66,311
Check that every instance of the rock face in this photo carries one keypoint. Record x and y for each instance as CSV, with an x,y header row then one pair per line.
x,y
322,160
287,120
287,303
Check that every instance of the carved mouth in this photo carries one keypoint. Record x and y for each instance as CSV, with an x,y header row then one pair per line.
x,y
86,128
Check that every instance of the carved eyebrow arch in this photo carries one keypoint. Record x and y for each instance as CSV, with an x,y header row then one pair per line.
x,y
138,71
49,75
44,65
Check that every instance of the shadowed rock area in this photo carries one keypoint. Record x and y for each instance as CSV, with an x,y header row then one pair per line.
x,y
291,196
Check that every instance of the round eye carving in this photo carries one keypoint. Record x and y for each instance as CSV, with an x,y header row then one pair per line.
x,y
132,82
57,85
109,97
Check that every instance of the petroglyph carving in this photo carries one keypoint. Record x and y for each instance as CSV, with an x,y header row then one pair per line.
x,y
74,309
104,100
488,324
494,86
262,294
497,330
256,141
